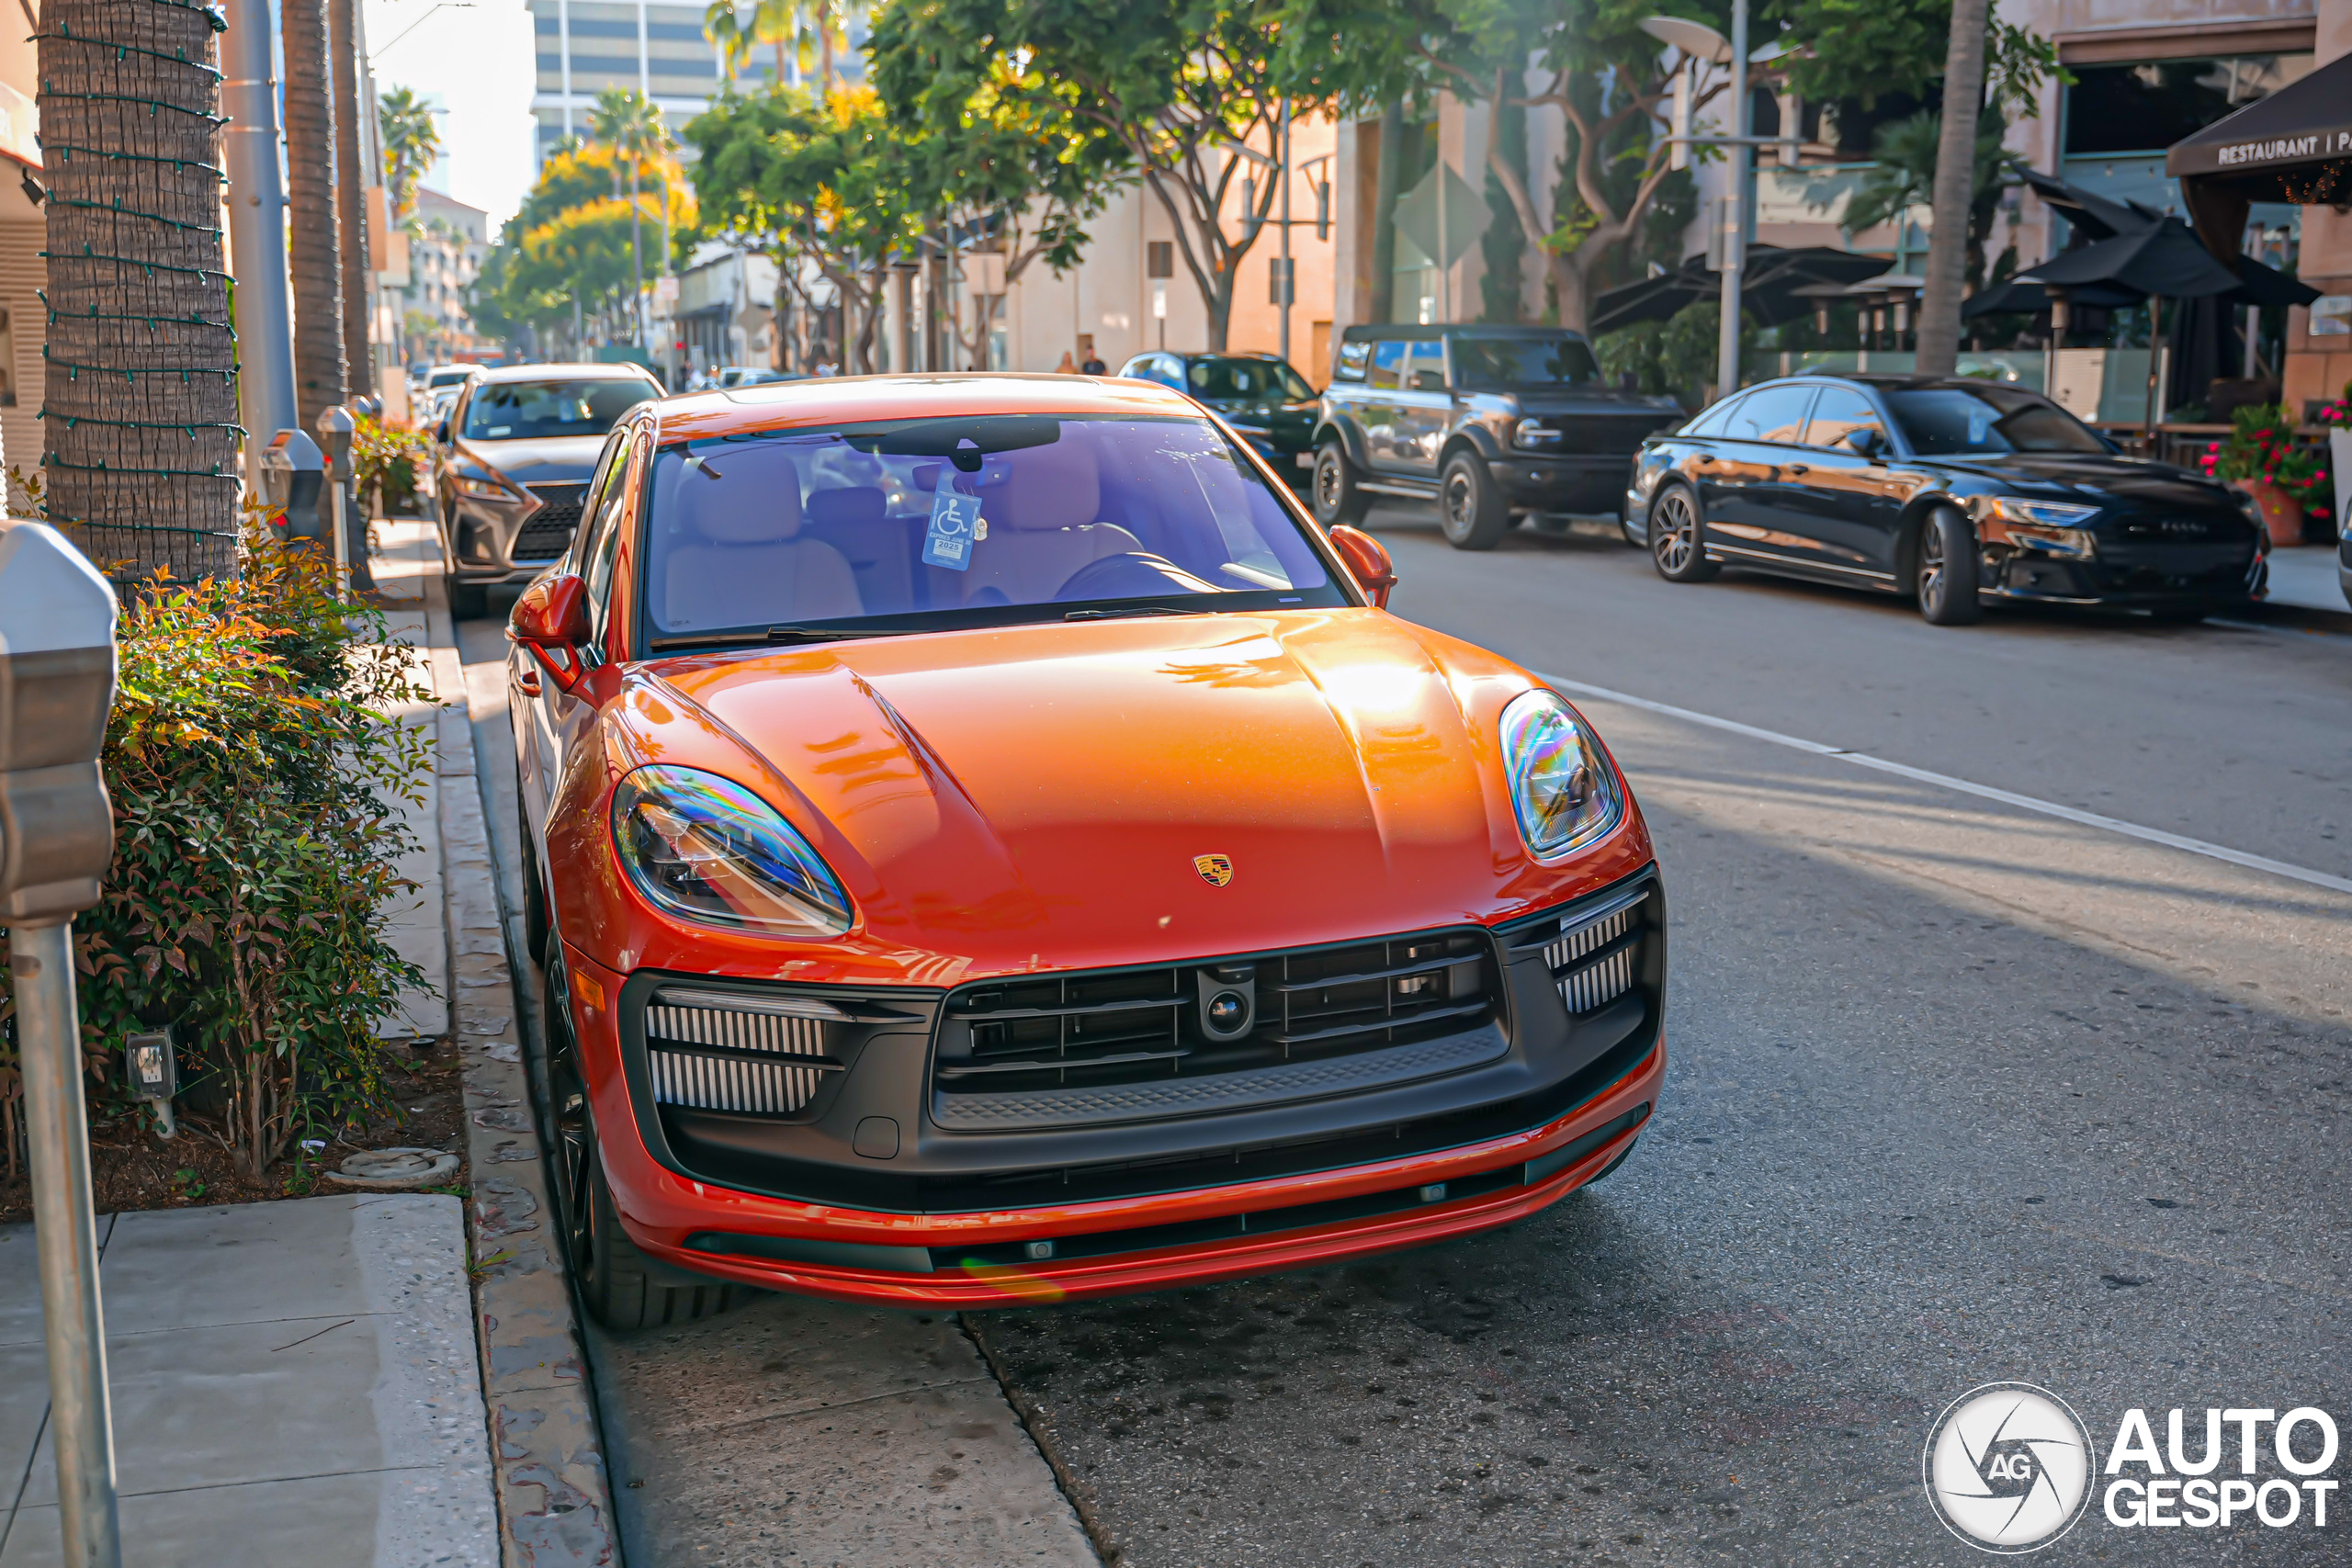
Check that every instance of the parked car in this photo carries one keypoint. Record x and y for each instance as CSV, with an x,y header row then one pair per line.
x,y
975,862
1491,422
1268,404
1962,492
513,456
444,400
751,376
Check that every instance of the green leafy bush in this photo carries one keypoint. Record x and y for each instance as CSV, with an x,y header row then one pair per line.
x,y
388,458
2262,447
257,764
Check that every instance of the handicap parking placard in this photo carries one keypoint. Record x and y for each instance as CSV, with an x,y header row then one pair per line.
x,y
954,527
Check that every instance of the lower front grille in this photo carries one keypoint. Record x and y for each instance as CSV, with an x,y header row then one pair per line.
x,y
1593,963
710,1056
547,533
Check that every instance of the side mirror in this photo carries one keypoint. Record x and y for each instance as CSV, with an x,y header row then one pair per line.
x,y
551,620
1367,562
1869,440
441,433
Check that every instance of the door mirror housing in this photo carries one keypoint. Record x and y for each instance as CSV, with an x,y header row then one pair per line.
x,y
441,433
551,620
1366,561
1866,439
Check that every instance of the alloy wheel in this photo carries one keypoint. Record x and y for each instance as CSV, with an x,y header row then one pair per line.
x,y
1330,482
574,1139
1461,505
1673,533
1931,565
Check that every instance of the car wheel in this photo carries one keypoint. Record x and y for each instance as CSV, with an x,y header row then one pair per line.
x,y
468,601
1678,537
1947,570
1470,505
1339,494
619,1285
535,887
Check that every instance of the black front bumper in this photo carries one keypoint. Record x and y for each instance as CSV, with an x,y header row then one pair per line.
x,y
1571,482
871,1135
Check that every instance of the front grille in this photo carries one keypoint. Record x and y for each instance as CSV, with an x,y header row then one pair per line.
x,y
1593,963
547,534
1603,434
1141,1026
709,1057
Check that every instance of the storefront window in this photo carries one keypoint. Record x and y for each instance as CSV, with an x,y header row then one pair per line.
x,y
2145,108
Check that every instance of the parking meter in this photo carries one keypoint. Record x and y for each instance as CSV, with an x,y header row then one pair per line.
x,y
339,508
57,683
293,471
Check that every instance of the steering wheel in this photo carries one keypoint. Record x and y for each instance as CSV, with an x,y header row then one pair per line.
x,y
1132,574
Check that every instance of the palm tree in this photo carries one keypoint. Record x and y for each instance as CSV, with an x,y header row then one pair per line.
x,y
139,424
312,261
412,142
626,121
343,45
737,28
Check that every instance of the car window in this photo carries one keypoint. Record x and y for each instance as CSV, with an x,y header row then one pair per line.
x,y
1388,365
1214,376
1354,357
1840,412
1943,420
612,523
1715,421
1483,362
524,410
933,523
584,539
1772,414
1426,371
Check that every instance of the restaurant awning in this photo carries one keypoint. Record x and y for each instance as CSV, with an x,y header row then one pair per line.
x,y
2294,146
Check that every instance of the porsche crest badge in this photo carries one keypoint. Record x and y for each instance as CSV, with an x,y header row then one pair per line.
x,y
1215,869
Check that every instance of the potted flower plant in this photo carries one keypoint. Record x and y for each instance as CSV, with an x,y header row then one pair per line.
x,y
2288,482
2337,417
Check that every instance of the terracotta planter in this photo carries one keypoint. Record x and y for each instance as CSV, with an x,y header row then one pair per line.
x,y
2280,514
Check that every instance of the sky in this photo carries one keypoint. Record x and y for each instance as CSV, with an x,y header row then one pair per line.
x,y
477,63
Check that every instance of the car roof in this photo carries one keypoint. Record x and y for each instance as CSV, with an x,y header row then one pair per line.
x,y
568,373
858,400
1411,333
1887,381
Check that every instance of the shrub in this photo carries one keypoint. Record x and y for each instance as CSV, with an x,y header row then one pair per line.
x,y
387,458
2261,446
257,764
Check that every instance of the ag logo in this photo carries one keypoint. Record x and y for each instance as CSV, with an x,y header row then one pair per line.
x,y
1215,869
2008,1468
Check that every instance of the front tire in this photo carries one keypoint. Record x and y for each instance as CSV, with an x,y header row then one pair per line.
x,y
1339,494
1678,537
1470,505
535,887
1946,575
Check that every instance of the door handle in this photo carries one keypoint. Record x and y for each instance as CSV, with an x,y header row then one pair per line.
x,y
1798,469
528,682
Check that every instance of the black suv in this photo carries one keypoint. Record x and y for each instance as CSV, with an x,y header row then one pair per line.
x,y
1489,422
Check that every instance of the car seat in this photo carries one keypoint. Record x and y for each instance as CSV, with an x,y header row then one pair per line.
x,y
741,566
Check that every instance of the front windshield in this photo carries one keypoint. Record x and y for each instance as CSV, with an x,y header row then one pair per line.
x,y
525,411
1256,381
931,524
1522,361
1943,421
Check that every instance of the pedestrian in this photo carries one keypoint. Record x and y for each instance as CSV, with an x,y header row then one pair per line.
x,y
1068,366
1093,365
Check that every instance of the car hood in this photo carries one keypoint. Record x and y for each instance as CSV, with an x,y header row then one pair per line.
x,y
549,457
2096,477
1038,796
1591,400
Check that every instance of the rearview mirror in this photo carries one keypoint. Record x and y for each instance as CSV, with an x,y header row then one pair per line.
x,y
1366,561
1867,439
551,620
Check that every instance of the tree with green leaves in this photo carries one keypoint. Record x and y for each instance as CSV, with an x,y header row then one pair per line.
x,y
1192,94
411,143
626,121
570,244
1905,175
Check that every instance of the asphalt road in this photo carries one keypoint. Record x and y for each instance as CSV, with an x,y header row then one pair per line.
x,y
1959,1093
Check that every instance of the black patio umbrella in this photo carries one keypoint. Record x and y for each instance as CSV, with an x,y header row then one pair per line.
x,y
2020,298
1769,286
2167,260
2092,217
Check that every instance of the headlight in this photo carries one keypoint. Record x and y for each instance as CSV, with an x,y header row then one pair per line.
x,y
2049,514
484,490
707,849
1561,787
1534,433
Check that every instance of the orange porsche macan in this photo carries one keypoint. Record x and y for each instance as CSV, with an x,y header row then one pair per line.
x,y
989,846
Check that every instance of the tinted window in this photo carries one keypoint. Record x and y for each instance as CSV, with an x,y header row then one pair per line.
x,y
1521,362
2147,107
1714,421
1354,357
524,410
1388,364
1426,371
1941,421
1840,413
1772,414
611,524
1257,379
834,526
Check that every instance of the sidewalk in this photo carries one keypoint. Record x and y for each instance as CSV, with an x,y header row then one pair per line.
x,y
2303,577
294,1386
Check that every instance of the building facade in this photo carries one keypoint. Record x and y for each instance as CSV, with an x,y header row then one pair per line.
x,y
447,240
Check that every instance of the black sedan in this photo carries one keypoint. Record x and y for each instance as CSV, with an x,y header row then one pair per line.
x,y
1960,492
1268,404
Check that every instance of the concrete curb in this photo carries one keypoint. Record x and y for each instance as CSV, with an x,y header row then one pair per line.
x,y
546,1453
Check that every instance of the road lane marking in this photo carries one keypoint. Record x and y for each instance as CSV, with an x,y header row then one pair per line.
x,y
1984,792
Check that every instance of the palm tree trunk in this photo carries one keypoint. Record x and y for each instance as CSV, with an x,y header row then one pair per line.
x,y
138,417
350,192
1939,345
636,259
311,250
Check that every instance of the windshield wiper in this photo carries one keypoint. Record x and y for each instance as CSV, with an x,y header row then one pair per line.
x,y
1124,611
774,634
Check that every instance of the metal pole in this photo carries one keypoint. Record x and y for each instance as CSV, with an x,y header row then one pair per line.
x,y
257,226
48,1035
1735,217
1286,291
